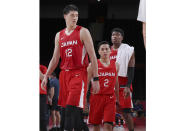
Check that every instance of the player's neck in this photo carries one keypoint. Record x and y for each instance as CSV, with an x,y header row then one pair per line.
x,y
105,61
116,46
70,28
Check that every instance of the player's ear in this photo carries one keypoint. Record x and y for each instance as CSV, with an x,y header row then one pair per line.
x,y
64,17
121,38
99,51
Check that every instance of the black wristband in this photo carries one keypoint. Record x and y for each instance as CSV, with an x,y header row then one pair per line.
x,y
95,78
130,76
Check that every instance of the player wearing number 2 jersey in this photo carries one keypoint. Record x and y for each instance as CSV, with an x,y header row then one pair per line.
x,y
73,45
103,104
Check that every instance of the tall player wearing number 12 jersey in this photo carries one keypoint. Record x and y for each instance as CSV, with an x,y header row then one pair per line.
x,y
73,45
103,104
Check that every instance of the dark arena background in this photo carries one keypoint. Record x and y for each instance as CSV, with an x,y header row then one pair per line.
x,y
100,17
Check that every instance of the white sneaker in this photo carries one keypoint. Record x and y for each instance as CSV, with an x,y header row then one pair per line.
x,y
116,128
121,128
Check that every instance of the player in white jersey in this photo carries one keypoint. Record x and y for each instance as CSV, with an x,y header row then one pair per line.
x,y
126,60
142,17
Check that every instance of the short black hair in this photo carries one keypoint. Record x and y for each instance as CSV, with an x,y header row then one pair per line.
x,y
69,8
102,43
118,30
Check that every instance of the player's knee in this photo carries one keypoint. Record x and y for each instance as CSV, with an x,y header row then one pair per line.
x,y
108,126
96,127
52,112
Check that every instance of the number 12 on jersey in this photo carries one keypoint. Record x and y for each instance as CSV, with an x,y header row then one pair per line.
x,y
68,52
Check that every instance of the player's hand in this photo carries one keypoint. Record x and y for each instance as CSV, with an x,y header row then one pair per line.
x,y
44,83
126,92
96,87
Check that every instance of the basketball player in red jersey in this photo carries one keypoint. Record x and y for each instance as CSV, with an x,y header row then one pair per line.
x,y
123,54
73,44
103,104
43,100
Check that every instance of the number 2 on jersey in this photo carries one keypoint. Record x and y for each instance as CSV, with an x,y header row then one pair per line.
x,y
106,81
68,52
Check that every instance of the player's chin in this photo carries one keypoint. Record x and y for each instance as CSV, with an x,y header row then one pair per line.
x,y
106,55
114,41
74,22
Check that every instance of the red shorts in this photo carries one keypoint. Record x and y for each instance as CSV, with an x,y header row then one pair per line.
x,y
73,88
124,102
102,107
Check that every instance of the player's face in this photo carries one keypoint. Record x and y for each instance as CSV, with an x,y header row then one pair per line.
x,y
116,37
104,51
71,18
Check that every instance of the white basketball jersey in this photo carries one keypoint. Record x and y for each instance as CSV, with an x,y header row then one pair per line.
x,y
142,11
123,57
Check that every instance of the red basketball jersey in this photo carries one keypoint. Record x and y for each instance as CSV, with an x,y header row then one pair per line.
x,y
72,50
113,54
107,77
43,69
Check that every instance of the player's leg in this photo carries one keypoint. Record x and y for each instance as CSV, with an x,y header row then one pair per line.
x,y
109,112
43,111
96,110
96,127
75,101
58,119
126,104
84,126
62,121
128,120
53,113
62,97
53,118
108,126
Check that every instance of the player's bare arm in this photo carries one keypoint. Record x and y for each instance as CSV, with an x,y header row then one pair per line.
x,y
117,84
132,61
41,75
88,43
90,73
144,33
90,76
54,61
87,40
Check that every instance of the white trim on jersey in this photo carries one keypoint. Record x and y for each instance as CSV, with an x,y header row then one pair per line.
x,y
81,102
83,55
